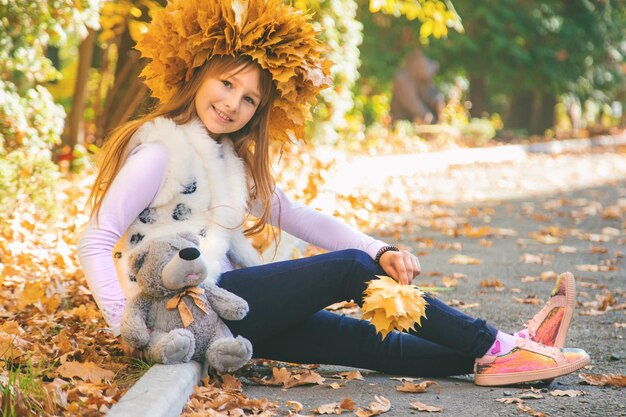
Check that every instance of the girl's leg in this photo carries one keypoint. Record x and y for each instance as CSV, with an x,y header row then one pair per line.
x,y
285,298
334,339
283,294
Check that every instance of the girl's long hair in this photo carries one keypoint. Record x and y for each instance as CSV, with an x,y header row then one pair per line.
x,y
251,142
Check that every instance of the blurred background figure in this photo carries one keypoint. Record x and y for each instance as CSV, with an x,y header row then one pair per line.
x,y
415,96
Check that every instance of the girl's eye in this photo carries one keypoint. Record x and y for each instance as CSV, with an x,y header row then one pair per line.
x,y
226,83
249,100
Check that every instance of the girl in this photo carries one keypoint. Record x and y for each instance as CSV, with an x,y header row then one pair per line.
x,y
229,75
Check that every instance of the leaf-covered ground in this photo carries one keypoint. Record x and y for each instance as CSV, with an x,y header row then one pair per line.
x,y
57,358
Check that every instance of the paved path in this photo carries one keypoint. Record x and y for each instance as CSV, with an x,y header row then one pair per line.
x,y
524,210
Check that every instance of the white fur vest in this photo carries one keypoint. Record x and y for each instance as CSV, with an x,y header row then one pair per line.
x,y
204,193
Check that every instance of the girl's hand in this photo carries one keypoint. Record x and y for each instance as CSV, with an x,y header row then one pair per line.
x,y
402,266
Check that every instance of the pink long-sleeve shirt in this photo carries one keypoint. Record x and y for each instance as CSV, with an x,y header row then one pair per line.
x,y
134,188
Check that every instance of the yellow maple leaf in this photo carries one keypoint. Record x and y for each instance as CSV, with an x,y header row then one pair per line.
x,y
389,305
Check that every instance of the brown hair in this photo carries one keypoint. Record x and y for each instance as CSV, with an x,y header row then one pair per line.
x,y
251,142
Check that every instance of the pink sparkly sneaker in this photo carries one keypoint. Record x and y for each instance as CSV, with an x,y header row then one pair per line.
x,y
549,327
528,361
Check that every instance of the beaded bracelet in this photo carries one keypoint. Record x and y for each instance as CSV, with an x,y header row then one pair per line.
x,y
383,250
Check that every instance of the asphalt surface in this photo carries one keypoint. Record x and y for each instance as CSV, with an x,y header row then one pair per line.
x,y
582,198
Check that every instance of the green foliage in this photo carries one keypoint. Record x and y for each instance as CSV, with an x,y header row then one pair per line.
x,y
435,15
27,27
30,122
550,47
30,125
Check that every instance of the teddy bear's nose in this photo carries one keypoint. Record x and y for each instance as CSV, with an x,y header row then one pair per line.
x,y
189,254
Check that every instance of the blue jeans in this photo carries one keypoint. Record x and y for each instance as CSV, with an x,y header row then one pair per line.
x,y
287,320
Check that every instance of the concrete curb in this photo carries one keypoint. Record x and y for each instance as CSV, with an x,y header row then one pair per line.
x,y
164,390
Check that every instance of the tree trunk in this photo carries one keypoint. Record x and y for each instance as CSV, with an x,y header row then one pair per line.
x,y
543,113
520,111
127,92
73,134
478,96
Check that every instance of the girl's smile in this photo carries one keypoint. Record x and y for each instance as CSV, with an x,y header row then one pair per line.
x,y
222,115
226,104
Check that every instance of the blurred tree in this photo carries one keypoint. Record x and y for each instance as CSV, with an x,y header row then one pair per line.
x,y
533,51
518,56
30,121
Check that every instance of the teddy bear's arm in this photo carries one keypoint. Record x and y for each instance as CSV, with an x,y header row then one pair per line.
x,y
226,304
134,329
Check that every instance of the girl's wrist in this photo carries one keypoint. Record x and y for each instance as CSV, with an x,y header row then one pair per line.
x,y
384,250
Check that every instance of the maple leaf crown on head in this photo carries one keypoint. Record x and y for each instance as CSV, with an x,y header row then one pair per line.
x,y
280,38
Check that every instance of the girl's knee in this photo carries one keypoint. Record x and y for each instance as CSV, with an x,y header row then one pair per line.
x,y
361,260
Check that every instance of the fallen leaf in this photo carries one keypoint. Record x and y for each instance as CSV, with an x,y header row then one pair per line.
x,y
565,249
418,388
350,376
485,243
528,300
530,411
87,371
529,278
231,383
288,379
378,406
476,232
612,213
530,396
566,393
449,282
540,259
423,407
598,249
347,404
464,260
295,405
330,408
612,380
548,275
495,283
510,400
595,268
546,239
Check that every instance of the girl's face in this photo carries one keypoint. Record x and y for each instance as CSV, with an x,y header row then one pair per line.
x,y
226,104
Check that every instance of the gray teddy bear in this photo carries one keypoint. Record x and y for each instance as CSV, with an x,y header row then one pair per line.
x,y
176,316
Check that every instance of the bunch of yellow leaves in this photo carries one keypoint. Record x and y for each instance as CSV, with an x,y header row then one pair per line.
x,y
277,36
389,305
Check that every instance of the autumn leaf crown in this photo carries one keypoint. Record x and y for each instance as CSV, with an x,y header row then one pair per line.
x,y
280,38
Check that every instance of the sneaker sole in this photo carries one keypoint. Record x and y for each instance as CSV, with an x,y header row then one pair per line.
x,y
529,376
570,304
